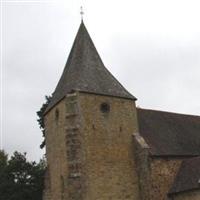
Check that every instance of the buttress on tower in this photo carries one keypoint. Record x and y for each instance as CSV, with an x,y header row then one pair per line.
x,y
89,124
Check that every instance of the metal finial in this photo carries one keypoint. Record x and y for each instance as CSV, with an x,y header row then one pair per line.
x,y
82,13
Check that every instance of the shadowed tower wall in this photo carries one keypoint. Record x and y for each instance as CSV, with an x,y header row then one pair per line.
x,y
91,156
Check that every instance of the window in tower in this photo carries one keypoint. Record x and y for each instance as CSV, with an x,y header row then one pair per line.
x,y
62,187
56,115
105,108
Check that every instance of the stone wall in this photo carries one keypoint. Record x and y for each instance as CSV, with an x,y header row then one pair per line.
x,y
89,149
189,195
109,158
92,154
163,172
142,160
74,147
56,151
47,182
156,175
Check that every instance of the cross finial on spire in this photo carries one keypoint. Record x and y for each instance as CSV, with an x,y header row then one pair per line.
x,y
82,13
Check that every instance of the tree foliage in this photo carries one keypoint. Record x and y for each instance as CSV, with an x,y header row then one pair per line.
x,y
19,178
40,119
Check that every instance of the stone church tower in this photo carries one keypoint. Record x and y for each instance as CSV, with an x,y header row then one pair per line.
x,y
89,125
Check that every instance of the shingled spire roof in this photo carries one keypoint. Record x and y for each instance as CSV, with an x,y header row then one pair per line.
x,y
85,71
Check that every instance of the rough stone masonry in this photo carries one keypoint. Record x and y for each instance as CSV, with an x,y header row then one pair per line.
x,y
99,146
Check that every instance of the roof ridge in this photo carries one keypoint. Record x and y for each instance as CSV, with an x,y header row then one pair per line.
x,y
170,134
167,112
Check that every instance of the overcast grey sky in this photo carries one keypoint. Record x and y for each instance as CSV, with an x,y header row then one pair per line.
x,y
151,47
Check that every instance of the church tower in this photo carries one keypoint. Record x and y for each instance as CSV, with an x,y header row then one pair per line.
x,y
89,125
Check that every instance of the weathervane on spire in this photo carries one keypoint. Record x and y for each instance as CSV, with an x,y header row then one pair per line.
x,y
82,13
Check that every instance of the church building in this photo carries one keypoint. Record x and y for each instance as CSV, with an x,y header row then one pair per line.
x,y
100,146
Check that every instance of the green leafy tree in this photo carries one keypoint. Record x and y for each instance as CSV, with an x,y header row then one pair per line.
x,y
4,182
40,119
21,179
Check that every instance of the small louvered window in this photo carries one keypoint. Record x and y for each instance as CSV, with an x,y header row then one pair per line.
x,y
56,115
105,108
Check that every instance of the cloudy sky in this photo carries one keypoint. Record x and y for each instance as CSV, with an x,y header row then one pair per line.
x,y
151,46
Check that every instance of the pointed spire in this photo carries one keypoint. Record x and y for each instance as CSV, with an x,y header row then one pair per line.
x,y
85,71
